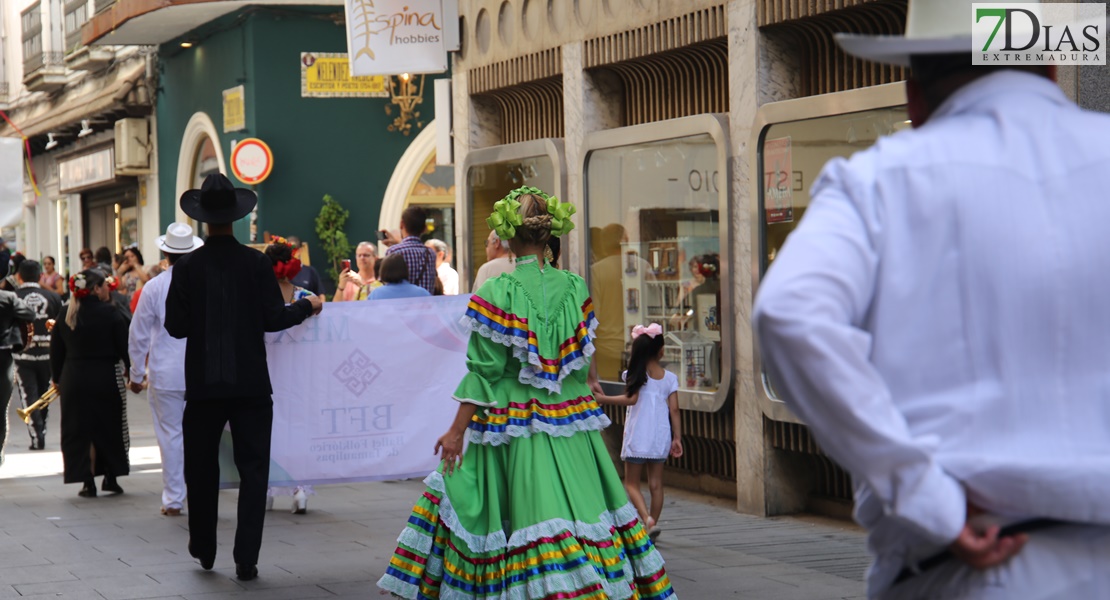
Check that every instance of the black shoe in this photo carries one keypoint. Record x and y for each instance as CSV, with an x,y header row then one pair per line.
x,y
246,572
111,485
89,491
205,563
35,446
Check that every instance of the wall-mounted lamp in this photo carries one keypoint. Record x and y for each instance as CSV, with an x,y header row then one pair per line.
x,y
186,44
51,143
86,130
406,93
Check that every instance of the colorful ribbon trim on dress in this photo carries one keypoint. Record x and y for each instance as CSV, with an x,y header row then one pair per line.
x,y
527,414
510,325
558,561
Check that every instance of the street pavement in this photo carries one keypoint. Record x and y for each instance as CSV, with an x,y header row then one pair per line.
x,y
56,545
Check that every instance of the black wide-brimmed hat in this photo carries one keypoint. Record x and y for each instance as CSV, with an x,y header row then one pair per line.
x,y
217,201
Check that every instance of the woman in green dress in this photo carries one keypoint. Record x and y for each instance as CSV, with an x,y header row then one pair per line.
x,y
534,508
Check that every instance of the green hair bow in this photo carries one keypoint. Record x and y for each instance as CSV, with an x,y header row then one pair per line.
x,y
506,217
561,213
506,213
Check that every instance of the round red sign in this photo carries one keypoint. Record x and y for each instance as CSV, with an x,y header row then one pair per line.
x,y
252,161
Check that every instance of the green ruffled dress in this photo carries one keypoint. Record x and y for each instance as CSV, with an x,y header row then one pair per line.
x,y
536,510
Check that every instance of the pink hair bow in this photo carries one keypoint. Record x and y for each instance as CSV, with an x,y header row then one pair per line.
x,y
651,330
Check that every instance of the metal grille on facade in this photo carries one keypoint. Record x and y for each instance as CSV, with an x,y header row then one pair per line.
x,y
527,92
807,26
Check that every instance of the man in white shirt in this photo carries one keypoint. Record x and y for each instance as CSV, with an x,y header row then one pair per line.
x,y
940,319
498,260
447,276
157,356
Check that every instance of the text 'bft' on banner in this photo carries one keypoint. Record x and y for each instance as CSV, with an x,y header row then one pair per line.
x,y
390,37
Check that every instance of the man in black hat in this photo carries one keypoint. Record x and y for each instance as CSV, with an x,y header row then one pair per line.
x,y
223,297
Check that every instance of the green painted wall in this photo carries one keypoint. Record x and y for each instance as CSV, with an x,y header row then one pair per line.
x,y
337,146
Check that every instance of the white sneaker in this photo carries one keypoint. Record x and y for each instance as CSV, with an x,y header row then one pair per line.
x,y
300,502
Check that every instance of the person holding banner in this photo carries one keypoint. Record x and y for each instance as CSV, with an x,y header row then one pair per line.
x,y
223,297
286,267
535,503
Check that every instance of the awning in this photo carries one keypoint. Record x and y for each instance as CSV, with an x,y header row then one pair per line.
x,y
91,97
151,22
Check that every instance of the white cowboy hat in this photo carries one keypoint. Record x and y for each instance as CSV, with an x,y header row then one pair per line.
x,y
179,239
932,27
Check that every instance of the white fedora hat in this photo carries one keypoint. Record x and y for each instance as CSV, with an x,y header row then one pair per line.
x,y
932,27
179,239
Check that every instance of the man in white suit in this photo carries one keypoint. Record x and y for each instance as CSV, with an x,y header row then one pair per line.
x,y
940,317
164,374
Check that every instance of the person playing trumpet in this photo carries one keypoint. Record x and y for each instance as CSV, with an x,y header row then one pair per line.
x,y
32,363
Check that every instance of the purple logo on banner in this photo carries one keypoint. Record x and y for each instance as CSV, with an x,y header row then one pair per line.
x,y
357,373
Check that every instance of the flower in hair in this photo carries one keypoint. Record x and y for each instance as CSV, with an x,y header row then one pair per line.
x,y
112,283
651,330
79,286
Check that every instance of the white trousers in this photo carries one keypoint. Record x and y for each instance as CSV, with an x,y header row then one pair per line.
x,y
168,407
1059,563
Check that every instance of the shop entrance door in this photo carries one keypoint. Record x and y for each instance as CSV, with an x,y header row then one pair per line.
x,y
111,218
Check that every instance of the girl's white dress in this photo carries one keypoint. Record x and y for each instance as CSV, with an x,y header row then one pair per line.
x,y
647,428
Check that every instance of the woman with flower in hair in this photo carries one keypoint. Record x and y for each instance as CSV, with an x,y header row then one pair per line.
x,y
286,267
85,349
534,508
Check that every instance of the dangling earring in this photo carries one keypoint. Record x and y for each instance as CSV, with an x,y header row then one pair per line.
x,y
548,256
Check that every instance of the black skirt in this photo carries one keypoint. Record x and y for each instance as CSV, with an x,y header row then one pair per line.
x,y
95,437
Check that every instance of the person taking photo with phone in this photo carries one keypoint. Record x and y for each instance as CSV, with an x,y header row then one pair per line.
x,y
357,285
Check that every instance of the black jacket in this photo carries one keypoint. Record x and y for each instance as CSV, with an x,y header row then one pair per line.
x,y
223,297
12,310
46,305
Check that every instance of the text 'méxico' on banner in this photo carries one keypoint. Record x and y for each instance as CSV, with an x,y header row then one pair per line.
x,y
390,37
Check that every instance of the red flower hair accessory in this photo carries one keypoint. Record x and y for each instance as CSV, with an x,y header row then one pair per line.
x,y
79,286
112,283
287,269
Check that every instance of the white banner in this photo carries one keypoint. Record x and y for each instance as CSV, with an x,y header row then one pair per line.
x,y
362,392
390,37
11,182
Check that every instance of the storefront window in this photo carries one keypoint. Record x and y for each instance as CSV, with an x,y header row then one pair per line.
x,y
491,182
655,254
791,156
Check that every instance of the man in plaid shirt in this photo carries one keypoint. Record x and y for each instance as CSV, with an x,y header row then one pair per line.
x,y
420,259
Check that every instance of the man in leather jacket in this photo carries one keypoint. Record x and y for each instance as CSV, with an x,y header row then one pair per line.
x,y
12,310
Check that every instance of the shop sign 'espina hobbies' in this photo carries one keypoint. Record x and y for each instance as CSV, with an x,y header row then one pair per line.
x,y
390,37
1039,34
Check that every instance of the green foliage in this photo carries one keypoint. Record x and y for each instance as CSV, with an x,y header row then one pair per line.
x,y
329,228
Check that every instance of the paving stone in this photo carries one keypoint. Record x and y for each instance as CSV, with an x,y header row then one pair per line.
x,y
58,546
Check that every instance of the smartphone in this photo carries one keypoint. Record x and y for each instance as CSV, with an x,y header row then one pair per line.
x,y
382,235
346,263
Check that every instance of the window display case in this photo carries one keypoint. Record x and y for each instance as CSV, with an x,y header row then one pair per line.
x,y
491,173
658,227
794,140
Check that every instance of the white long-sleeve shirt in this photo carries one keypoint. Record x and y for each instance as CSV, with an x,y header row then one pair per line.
x,y
941,318
148,336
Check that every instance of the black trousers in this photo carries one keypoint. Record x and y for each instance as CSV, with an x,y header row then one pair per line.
x,y
33,379
251,420
6,388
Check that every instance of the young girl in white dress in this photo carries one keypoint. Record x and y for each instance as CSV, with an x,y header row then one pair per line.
x,y
653,426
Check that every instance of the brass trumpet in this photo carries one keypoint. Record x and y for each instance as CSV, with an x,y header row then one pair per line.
x,y
44,401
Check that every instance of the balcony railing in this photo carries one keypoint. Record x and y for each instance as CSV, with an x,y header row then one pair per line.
x,y
55,60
